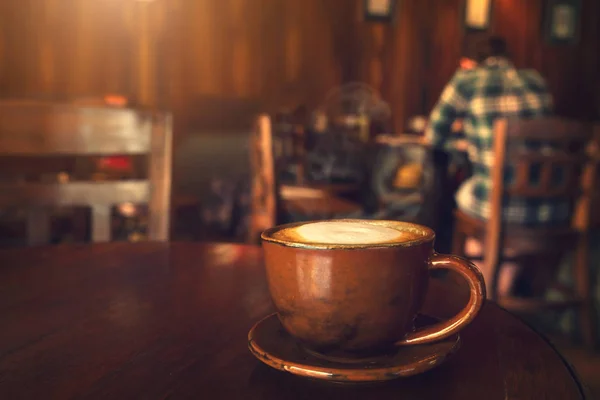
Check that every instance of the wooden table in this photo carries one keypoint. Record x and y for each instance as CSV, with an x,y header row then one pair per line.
x,y
322,207
337,188
318,203
148,320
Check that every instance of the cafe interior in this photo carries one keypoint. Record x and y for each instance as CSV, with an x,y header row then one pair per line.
x,y
203,122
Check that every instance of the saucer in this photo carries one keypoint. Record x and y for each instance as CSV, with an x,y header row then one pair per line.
x,y
271,344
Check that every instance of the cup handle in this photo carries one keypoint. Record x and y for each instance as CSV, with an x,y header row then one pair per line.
x,y
447,328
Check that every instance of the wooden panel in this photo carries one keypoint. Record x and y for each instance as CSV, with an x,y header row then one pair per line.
x,y
445,37
569,70
161,156
270,53
170,53
34,128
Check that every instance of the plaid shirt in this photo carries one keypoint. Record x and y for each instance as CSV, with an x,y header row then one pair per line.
x,y
478,97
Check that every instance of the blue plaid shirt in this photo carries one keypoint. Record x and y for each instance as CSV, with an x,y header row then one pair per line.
x,y
480,96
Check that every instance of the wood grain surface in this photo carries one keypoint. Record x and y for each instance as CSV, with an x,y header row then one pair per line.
x,y
159,320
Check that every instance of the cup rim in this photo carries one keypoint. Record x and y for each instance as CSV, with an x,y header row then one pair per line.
x,y
428,235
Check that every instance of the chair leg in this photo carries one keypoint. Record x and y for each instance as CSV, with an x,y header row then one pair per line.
x,y
38,226
583,285
252,236
494,273
458,241
491,272
588,328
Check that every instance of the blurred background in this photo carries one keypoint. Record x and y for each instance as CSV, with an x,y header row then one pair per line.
x,y
215,64
347,86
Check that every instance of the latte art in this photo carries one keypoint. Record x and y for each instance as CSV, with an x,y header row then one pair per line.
x,y
345,233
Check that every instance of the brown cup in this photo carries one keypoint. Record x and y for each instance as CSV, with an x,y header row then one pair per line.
x,y
360,300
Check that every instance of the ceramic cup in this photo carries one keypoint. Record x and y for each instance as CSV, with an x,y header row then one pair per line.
x,y
358,299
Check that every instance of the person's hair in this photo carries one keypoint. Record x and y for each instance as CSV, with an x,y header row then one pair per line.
x,y
494,46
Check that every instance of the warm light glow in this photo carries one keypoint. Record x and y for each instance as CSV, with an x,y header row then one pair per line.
x,y
467,63
127,209
379,7
115,100
226,255
477,13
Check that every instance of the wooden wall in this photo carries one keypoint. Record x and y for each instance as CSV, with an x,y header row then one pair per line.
x,y
571,71
247,55
420,53
177,53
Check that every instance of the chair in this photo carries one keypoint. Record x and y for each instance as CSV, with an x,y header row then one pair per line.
x,y
271,201
594,151
539,245
263,214
35,129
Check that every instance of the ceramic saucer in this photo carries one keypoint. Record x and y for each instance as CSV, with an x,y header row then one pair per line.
x,y
271,344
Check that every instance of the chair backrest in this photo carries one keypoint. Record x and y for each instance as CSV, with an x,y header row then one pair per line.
x,y
263,191
546,157
40,129
592,202
269,199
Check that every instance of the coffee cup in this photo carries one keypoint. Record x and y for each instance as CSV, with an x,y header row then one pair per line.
x,y
353,288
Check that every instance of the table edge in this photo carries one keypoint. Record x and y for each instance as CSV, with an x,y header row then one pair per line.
x,y
583,391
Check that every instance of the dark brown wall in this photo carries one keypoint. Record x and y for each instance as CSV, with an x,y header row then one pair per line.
x,y
268,53
216,63
177,53
571,71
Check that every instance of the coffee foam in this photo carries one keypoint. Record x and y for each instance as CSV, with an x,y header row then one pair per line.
x,y
345,233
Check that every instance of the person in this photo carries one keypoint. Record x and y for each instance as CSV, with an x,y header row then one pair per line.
x,y
478,96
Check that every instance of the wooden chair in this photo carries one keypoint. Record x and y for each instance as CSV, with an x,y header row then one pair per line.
x,y
269,200
263,214
540,245
34,129
593,177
